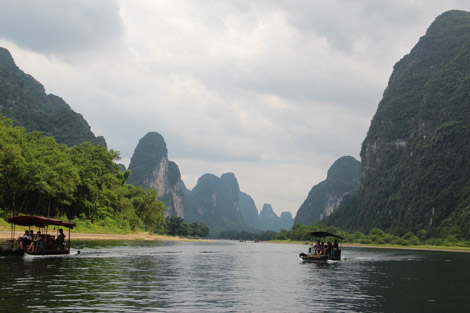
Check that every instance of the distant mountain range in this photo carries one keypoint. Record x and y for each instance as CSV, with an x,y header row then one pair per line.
x,y
216,202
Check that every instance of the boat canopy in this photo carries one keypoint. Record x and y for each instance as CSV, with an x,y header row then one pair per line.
x,y
38,221
322,234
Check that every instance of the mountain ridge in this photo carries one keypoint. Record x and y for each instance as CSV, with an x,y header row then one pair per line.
x,y
415,157
24,100
343,177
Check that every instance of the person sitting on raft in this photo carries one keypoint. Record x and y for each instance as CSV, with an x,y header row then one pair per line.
x,y
25,240
328,248
37,244
317,248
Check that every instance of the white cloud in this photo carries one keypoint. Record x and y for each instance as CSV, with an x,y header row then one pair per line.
x,y
274,91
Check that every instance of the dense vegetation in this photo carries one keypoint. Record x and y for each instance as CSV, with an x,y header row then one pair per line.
x,y
176,226
377,236
246,235
38,176
416,156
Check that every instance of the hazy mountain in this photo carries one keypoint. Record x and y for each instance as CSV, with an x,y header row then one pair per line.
x,y
24,100
268,219
249,210
214,201
343,177
286,220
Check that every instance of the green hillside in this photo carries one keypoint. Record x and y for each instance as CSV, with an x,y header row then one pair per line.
x,y
343,178
416,156
24,100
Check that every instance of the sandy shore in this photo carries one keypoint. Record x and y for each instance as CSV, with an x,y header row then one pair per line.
x,y
139,236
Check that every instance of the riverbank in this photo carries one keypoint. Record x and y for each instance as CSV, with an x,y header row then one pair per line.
x,y
376,246
4,235
420,247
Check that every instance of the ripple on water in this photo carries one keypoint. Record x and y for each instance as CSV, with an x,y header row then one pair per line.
x,y
229,277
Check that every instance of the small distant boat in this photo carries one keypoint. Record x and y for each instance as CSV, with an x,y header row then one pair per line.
x,y
44,244
326,253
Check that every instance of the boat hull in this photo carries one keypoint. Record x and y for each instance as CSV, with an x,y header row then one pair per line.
x,y
52,254
11,252
22,253
313,258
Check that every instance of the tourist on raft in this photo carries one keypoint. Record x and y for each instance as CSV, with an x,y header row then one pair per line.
x,y
25,240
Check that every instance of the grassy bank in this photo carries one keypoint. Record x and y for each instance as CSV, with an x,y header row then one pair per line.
x,y
389,246
85,230
82,227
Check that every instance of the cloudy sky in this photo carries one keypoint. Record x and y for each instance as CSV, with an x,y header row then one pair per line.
x,y
273,91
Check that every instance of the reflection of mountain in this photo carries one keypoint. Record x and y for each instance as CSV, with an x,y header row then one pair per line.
x,y
343,177
24,100
416,156
151,168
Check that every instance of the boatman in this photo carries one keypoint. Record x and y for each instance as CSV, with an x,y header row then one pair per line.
x,y
60,239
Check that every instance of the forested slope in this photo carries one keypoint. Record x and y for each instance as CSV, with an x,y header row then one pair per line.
x,y
416,156
24,100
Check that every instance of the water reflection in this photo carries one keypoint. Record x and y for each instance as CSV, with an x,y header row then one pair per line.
x,y
146,276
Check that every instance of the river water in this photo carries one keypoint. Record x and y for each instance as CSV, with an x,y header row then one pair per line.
x,y
147,276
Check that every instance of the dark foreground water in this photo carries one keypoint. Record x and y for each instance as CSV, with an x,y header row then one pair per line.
x,y
142,276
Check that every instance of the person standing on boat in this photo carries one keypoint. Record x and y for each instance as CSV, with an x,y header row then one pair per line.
x,y
60,239
335,245
322,248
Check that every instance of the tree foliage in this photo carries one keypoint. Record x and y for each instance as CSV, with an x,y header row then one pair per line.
x,y
38,176
176,226
377,236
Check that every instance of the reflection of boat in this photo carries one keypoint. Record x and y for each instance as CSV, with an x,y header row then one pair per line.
x,y
328,253
44,244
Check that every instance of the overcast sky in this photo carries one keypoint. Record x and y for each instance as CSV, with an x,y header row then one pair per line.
x,y
273,91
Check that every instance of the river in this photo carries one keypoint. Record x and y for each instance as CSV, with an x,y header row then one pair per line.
x,y
228,276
